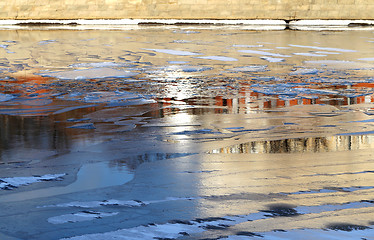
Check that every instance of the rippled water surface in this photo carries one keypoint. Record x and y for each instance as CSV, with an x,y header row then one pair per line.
x,y
105,131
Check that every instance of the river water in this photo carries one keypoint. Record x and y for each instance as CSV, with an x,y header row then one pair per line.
x,y
190,132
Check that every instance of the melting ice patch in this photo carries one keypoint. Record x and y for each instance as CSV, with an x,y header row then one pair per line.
x,y
92,73
14,182
219,58
264,53
173,229
173,52
80,217
323,48
6,97
179,228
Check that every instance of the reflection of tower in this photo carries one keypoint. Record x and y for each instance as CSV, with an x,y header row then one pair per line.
x,y
298,145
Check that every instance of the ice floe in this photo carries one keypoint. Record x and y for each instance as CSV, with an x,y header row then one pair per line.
x,y
219,58
92,73
14,182
264,53
80,217
173,52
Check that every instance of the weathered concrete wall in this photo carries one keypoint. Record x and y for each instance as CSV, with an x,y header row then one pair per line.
x,y
187,9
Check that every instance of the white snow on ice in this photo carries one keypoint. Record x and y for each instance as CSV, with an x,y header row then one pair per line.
x,y
272,59
9,183
80,217
115,202
174,229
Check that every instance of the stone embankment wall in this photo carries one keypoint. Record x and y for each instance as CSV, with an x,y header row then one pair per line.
x,y
187,9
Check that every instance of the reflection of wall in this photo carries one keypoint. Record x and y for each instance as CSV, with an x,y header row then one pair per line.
x,y
297,145
188,9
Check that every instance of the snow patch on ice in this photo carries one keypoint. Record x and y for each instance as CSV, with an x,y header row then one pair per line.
x,y
80,217
272,59
173,52
92,73
173,229
115,202
178,228
219,58
14,182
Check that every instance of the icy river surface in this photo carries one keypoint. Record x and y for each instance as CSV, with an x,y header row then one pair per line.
x,y
186,132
